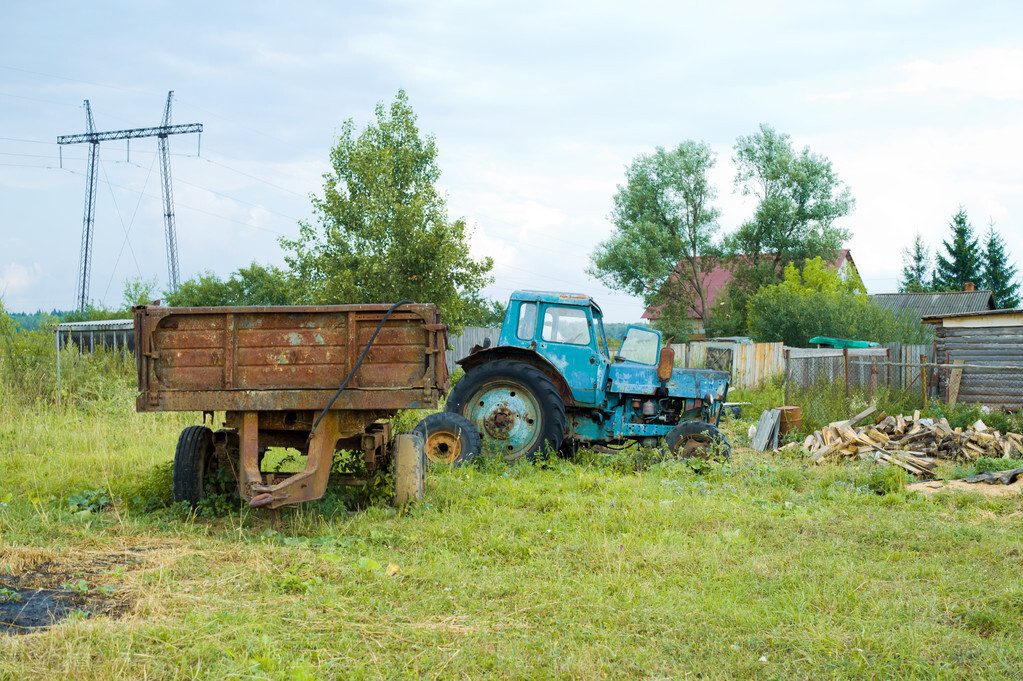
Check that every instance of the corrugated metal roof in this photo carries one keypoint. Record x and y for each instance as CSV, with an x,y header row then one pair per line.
x,y
101,325
929,304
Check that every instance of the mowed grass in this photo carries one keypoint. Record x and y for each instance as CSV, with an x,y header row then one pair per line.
x,y
763,568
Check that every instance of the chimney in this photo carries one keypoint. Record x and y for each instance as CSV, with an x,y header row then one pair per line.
x,y
969,286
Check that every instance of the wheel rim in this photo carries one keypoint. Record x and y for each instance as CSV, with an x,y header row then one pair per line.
x,y
508,416
693,445
443,446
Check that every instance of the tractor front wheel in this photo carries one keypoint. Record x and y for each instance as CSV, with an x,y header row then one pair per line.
x,y
514,406
697,440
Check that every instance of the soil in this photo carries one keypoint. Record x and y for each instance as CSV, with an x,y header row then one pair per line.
x,y
938,486
46,592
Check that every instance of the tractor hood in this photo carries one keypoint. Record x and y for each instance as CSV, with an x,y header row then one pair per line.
x,y
629,378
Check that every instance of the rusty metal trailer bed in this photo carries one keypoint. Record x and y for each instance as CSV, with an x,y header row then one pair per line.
x,y
276,373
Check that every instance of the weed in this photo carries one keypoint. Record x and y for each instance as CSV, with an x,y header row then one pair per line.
x,y
9,595
89,501
886,479
987,464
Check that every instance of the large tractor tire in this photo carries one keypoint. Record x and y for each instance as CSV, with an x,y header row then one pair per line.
x,y
697,440
449,438
514,406
194,463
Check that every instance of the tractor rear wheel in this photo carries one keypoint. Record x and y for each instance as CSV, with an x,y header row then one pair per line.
x,y
697,440
449,438
514,406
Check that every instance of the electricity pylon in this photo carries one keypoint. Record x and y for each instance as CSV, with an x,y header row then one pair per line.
x,y
88,223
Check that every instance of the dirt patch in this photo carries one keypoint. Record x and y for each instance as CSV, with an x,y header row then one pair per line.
x,y
939,486
41,589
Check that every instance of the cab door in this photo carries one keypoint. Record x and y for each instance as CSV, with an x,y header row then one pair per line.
x,y
567,340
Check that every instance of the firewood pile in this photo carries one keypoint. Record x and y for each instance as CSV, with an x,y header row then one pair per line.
x,y
911,442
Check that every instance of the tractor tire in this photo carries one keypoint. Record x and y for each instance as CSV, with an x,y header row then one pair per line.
x,y
409,474
449,438
514,406
697,440
193,461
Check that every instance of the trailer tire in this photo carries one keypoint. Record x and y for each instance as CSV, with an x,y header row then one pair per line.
x,y
194,459
449,438
514,406
409,472
697,440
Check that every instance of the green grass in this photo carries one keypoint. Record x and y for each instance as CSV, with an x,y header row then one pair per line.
x,y
576,569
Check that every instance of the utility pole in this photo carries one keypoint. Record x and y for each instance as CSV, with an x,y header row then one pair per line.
x,y
88,223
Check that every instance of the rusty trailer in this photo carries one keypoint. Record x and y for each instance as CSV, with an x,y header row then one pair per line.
x,y
317,379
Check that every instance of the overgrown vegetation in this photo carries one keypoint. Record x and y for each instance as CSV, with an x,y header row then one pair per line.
x,y
607,565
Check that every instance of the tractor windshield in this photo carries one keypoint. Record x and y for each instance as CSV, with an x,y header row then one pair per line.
x,y
640,345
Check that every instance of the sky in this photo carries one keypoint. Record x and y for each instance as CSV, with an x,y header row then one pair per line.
x,y
537,109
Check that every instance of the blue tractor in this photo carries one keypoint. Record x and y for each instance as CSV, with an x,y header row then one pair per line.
x,y
551,383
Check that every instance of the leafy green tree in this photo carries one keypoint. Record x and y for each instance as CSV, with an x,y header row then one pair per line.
x,y
252,285
819,301
999,274
137,291
962,266
382,232
483,312
916,266
664,223
799,198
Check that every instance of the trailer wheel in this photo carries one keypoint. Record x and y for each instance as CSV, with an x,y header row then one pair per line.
x,y
409,474
514,406
194,462
449,438
697,440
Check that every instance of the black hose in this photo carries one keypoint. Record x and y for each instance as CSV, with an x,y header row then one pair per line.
x,y
357,364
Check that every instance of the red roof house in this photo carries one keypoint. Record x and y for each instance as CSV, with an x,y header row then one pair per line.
x,y
715,281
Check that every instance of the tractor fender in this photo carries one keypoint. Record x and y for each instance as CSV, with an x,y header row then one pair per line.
x,y
526,356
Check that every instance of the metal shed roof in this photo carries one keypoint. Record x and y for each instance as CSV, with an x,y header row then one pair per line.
x,y
101,325
930,304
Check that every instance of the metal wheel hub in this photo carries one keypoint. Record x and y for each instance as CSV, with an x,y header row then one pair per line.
x,y
696,444
508,415
443,447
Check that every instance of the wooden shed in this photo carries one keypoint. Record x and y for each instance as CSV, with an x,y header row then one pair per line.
x,y
989,345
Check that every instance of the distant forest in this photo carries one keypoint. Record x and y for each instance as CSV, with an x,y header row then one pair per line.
x,y
32,321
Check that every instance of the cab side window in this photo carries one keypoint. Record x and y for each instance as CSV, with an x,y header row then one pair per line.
x,y
566,325
527,322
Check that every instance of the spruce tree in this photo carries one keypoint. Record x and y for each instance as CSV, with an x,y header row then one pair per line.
x,y
916,263
963,264
999,274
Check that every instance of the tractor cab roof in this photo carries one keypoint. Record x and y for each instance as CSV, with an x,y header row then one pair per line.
x,y
580,299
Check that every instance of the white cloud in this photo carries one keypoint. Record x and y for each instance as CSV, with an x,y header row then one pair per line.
x,y
995,74
17,278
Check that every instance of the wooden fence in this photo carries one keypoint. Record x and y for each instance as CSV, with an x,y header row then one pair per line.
x,y
749,363
471,335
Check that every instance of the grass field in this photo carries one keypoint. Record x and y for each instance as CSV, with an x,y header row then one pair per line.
x,y
762,568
